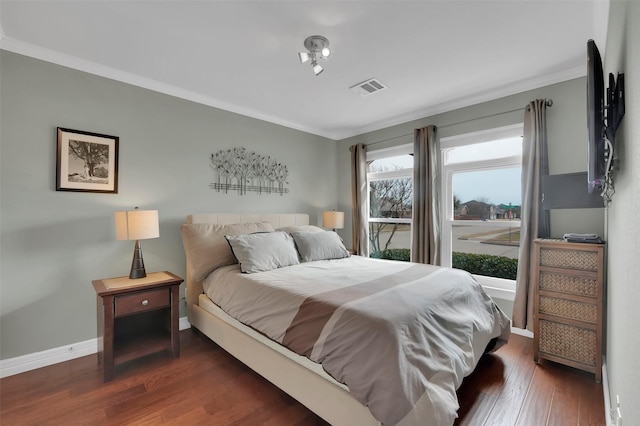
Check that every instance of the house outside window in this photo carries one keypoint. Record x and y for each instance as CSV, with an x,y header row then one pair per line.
x,y
390,183
481,190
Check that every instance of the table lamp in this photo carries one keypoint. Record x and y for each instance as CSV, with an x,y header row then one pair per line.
x,y
333,219
137,225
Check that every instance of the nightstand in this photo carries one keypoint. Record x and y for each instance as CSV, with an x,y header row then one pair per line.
x,y
136,318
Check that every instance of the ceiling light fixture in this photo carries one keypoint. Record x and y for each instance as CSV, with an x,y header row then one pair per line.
x,y
317,46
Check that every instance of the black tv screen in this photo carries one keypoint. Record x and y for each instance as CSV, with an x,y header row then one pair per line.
x,y
595,119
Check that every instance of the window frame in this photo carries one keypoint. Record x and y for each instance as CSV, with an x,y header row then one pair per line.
x,y
496,287
405,149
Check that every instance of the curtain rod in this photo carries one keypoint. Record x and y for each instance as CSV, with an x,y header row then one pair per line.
x,y
548,102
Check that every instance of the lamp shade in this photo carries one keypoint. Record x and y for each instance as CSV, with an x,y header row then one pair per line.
x,y
333,219
137,225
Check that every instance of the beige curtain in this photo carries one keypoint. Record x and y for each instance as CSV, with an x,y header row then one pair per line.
x,y
359,202
426,198
535,220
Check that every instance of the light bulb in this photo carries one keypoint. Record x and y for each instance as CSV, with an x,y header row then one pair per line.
x,y
325,52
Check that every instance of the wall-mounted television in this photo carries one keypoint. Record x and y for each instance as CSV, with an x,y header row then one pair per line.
x,y
604,113
595,120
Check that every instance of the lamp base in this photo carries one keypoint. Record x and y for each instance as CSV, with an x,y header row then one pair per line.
x,y
137,265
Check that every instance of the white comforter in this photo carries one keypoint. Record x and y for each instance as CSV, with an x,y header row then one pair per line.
x,y
400,335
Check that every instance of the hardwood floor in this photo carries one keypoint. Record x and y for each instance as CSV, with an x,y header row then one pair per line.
x,y
508,388
208,386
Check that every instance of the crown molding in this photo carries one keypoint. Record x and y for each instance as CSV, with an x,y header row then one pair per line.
x,y
58,58
474,99
73,62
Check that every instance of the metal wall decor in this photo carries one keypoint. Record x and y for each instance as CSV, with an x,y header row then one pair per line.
x,y
240,170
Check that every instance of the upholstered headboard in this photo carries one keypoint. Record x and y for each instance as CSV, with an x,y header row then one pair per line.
x,y
193,286
277,220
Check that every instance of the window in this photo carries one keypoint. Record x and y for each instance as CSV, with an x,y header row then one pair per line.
x,y
390,182
481,189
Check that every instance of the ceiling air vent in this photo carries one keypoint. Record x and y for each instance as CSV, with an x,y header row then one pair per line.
x,y
368,87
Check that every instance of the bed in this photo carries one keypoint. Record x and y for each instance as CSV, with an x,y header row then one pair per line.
x,y
213,274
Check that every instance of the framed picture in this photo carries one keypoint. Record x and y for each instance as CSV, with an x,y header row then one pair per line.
x,y
86,162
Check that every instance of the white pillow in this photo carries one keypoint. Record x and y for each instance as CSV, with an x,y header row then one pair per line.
x,y
264,251
319,245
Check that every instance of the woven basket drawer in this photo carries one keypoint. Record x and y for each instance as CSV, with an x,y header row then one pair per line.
x,y
581,286
568,309
569,342
573,259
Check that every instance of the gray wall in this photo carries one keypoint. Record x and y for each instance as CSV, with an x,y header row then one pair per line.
x,y
54,243
623,217
566,132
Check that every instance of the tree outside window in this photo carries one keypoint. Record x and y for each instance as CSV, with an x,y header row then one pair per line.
x,y
390,207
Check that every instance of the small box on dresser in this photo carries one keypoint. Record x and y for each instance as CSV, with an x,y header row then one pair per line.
x,y
568,305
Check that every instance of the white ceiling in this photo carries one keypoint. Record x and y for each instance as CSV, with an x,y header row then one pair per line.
x,y
242,55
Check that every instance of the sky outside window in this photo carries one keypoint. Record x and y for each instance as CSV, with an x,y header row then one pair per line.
x,y
499,186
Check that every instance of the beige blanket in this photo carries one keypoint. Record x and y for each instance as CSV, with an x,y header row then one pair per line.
x,y
401,336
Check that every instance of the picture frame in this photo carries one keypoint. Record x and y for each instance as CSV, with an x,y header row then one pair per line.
x,y
86,162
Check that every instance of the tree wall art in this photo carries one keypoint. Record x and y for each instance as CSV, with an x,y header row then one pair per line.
x,y
237,169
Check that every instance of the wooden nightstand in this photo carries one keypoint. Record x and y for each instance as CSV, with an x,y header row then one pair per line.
x,y
136,318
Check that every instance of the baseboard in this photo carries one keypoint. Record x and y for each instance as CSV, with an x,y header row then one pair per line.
x,y
20,364
522,332
183,323
23,363
606,395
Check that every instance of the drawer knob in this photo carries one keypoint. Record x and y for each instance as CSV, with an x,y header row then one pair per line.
x,y
145,302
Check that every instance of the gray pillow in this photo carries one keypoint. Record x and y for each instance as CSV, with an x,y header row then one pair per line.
x,y
264,251
206,247
319,245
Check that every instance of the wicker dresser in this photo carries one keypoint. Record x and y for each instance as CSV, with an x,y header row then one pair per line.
x,y
569,281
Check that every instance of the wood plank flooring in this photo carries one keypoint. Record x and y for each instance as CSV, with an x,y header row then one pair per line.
x,y
209,387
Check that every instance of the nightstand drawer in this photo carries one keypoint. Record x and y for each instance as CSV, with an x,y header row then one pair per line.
x,y
570,284
140,302
573,343
569,309
569,259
